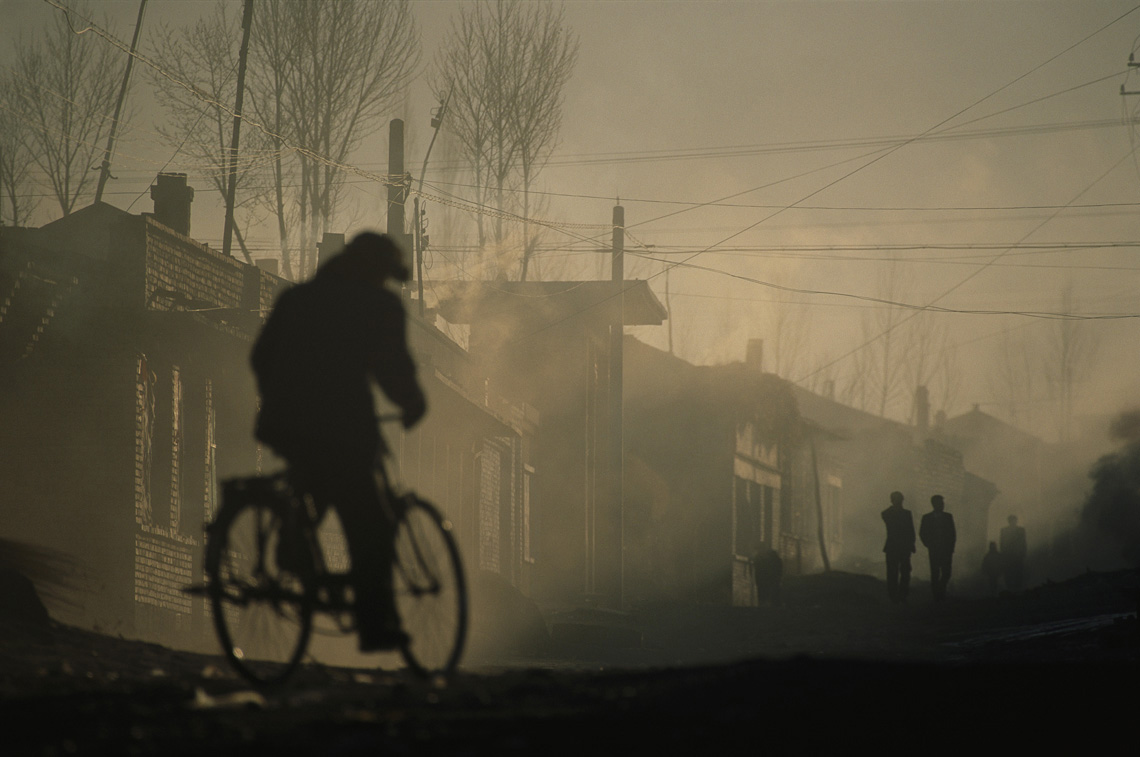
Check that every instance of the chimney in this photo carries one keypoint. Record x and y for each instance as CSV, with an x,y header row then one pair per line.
x,y
754,355
922,409
329,245
172,198
269,265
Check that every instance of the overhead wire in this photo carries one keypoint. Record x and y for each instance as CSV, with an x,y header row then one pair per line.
x,y
929,307
739,151
471,206
385,178
878,156
963,281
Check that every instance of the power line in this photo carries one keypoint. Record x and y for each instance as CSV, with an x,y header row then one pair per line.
x,y
762,206
741,151
955,287
930,307
879,155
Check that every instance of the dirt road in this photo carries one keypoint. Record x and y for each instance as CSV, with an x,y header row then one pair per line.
x,y
828,671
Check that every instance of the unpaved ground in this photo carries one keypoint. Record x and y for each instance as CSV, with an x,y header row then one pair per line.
x,y
835,668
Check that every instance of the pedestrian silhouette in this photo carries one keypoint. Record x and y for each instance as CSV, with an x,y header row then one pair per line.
x,y
992,567
1013,550
899,547
938,536
318,354
768,574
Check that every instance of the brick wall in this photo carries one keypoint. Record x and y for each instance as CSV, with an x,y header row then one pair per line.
x,y
939,470
489,508
182,265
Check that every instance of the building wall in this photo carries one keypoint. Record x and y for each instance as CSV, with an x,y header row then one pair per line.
x,y
131,396
757,521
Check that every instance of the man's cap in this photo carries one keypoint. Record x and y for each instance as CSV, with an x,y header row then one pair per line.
x,y
370,253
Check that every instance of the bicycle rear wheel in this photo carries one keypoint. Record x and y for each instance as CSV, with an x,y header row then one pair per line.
x,y
430,590
262,610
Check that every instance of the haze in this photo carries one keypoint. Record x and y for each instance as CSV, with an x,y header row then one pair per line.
x,y
807,174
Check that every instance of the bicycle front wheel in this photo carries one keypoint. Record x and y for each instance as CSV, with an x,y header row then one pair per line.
x,y
430,590
261,590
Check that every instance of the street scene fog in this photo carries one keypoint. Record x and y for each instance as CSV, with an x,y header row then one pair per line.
x,y
765,346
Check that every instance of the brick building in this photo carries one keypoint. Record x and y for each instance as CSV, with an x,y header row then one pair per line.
x,y
126,394
716,463
547,344
878,456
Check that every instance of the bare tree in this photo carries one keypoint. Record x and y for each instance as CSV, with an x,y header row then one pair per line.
x,y
788,331
1070,348
949,375
199,120
342,66
321,76
880,365
64,86
1015,375
857,389
16,163
930,360
506,64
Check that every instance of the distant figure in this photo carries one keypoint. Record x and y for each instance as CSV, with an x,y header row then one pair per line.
x,y
1013,549
938,536
992,567
768,573
899,547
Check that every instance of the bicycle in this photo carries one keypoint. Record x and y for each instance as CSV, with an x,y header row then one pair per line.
x,y
267,577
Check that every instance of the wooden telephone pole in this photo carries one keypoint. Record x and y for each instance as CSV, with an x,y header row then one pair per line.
x,y
105,168
617,337
231,186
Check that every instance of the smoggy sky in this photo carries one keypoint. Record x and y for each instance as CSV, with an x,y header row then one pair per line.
x,y
827,139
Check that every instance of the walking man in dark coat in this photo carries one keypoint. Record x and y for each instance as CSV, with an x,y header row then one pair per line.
x,y
899,547
938,535
1013,551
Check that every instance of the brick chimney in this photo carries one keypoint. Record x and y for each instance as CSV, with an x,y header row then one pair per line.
x,y
269,265
172,198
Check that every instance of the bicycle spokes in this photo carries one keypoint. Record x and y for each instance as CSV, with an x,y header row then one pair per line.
x,y
262,609
431,595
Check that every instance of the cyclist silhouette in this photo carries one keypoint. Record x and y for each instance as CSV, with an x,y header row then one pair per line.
x,y
326,340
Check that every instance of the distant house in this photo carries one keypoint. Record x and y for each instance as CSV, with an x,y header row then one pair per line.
x,y
718,468
879,456
126,394
472,455
548,345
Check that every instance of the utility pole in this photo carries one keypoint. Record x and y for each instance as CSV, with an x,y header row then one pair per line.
x,y
1131,64
397,192
231,188
420,239
617,335
105,168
